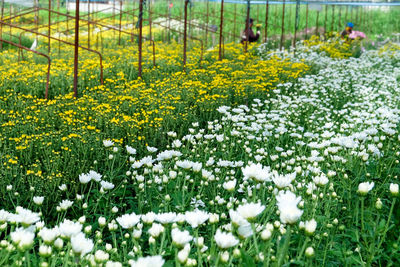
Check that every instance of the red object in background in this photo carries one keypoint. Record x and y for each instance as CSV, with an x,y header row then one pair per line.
x,y
171,5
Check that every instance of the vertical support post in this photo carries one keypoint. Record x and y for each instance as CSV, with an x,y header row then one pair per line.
x,y
340,18
88,23
1,24
221,26
306,36
76,55
333,18
149,3
140,37
169,20
207,14
234,20
283,25
49,27
325,20
296,22
120,21
316,24
247,26
266,22
185,34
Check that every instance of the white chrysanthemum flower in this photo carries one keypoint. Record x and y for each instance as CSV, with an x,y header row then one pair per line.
x,y
108,143
156,229
95,176
128,221
282,181
180,238
4,215
38,200
245,230
150,261
66,204
230,185
101,256
225,240
84,178
151,149
22,238
149,217
164,218
48,235
81,245
196,218
320,180
250,211
107,185
69,228
287,204
130,150
257,172
394,189
364,188
310,226
26,217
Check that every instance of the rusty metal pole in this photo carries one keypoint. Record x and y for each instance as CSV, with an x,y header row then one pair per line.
x,y
306,36
266,22
49,28
207,23
220,30
140,37
247,26
296,22
185,34
149,3
120,21
283,25
333,18
76,55
88,23
1,24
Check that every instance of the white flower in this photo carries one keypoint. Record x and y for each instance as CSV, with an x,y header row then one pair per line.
x,y
48,235
196,218
81,245
309,252
287,204
180,238
69,228
236,218
4,215
245,230
113,264
164,218
321,180
130,150
45,251
107,185
150,261
151,149
65,204
250,210
63,187
364,188
94,175
257,172
108,143
38,200
394,189
310,226
230,185
156,229
225,240
22,238
101,256
282,181
26,217
84,178
128,221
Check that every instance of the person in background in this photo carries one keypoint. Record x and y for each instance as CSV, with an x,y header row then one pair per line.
x,y
347,31
250,34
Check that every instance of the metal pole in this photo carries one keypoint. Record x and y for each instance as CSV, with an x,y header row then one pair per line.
x,y
296,23
206,23
333,17
185,34
1,24
120,21
88,23
306,37
149,3
140,37
49,28
76,49
283,25
326,18
247,26
220,30
340,18
266,22
234,20
316,24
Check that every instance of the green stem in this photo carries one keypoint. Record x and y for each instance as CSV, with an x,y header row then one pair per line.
x,y
283,251
387,224
362,214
